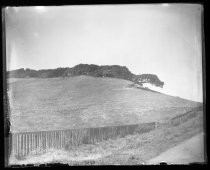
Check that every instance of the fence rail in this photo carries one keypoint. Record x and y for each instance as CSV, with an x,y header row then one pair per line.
x,y
23,144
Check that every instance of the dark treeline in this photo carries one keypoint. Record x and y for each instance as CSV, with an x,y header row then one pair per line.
x,y
114,71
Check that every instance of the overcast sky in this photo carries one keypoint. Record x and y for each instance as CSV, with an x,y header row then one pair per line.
x,y
159,39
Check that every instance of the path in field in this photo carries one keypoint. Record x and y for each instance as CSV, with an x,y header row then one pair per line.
x,y
191,150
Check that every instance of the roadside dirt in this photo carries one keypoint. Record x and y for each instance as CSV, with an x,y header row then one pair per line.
x,y
191,150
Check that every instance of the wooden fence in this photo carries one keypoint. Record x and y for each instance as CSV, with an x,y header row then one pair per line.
x,y
179,119
23,144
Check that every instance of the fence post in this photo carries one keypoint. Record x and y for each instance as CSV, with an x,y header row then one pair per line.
x,y
53,139
40,142
24,144
32,146
26,152
62,139
17,145
37,142
12,136
21,144
60,146
29,145
47,141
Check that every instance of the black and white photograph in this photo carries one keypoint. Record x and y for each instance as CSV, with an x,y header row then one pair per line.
x,y
105,84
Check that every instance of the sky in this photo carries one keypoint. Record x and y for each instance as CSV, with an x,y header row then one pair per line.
x,y
161,39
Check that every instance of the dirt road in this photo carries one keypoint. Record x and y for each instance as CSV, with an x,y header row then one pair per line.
x,y
191,150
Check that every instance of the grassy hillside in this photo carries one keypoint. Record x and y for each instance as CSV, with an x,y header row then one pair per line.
x,y
84,101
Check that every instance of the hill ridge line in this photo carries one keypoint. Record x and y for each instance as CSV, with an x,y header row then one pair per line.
x,y
113,71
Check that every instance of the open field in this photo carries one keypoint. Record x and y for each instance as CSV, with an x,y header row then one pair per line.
x,y
129,150
84,101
